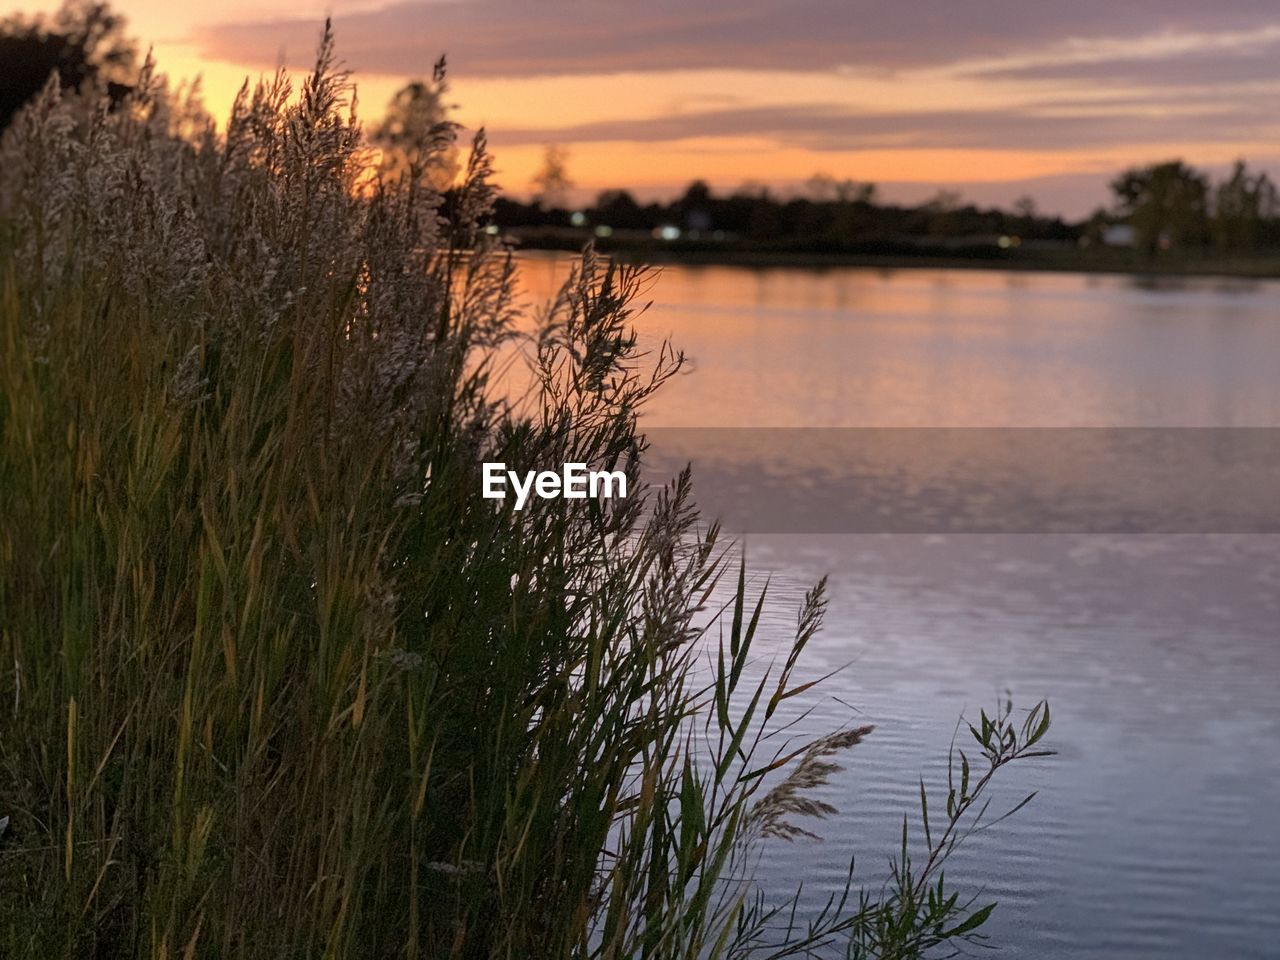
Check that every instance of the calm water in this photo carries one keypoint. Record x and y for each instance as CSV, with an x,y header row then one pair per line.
x,y
1155,834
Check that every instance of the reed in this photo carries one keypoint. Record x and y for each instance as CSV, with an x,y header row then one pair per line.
x,y
278,682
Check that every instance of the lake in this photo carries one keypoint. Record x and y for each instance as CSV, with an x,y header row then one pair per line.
x,y
1154,834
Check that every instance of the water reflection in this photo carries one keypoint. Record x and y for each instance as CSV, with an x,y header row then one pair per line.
x,y
962,348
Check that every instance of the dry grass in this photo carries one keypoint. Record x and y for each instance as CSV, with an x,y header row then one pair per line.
x,y
279,684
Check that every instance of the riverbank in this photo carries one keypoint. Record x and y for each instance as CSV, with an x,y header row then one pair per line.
x,y
1263,269
899,256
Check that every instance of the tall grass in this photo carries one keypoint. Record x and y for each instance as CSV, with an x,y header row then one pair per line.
x,y
277,682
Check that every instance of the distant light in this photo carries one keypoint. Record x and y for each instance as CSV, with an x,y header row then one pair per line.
x,y
1004,243
667,232
604,231
491,229
578,218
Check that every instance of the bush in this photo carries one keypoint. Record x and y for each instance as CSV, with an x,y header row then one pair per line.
x,y
282,684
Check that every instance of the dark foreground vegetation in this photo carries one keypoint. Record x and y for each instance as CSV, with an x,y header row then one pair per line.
x,y
277,682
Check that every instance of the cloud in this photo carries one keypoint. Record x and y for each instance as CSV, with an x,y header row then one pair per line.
x,y
826,127
1212,66
558,37
1090,75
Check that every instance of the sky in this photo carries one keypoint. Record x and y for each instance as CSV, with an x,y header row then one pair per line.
x,y
993,98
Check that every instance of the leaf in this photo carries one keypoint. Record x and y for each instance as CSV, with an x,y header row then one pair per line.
x,y
924,813
1042,729
974,921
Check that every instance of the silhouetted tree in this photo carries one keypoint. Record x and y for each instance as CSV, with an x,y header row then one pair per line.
x,y
84,42
849,219
619,208
1094,228
1167,205
1026,214
942,213
695,209
820,188
416,137
551,184
696,195
853,200
1243,204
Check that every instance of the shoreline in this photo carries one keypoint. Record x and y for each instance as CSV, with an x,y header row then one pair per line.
x,y
1117,263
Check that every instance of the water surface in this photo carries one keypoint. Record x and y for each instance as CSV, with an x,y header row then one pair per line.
x,y
1154,834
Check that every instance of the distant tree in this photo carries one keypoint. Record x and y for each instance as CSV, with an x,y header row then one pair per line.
x,y
616,201
1093,229
694,209
619,208
696,195
753,190
1166,204
855,191
765,223
83,43
1025,208
944,201
821,188
551,184
1243,205
416,137
849,212
942,213
1025,215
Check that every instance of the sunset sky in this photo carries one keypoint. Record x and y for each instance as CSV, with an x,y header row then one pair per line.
x,y
996,99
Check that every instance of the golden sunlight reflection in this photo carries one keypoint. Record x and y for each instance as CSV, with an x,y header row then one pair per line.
x,y
929,348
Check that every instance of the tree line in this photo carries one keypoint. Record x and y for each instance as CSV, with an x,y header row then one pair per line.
x,y
1173,206
823,213
1161,208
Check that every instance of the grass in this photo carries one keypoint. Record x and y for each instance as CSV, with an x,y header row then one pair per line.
x,y
278,682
